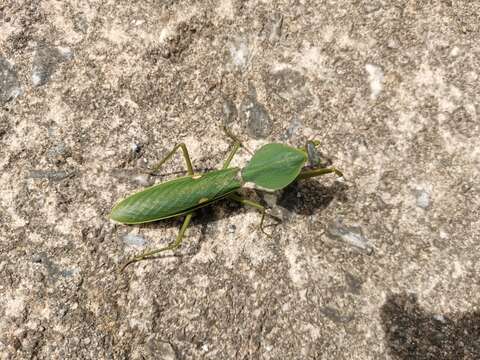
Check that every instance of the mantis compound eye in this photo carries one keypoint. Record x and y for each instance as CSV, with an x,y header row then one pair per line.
x,y
315,158
312,153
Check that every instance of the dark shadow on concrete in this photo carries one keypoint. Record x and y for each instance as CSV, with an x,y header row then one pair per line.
x,y
412,333
306,197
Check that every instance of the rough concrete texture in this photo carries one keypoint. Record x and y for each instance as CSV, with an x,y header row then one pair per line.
x,y
382,266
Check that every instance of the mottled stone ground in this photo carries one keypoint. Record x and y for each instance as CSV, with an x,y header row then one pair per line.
x,y
382,266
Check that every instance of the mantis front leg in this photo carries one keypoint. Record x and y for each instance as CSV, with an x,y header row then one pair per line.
x,y
318,172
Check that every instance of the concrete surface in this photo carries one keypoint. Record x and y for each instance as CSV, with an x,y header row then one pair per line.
x,y
383,266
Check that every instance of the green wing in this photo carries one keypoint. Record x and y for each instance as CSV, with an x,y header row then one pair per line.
x,y
175,197
274,166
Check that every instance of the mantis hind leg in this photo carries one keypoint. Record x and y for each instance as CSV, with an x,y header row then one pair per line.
x,y
186,156
172,246
254,204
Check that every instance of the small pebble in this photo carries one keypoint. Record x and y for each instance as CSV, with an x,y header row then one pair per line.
x,y
351,235
135,147
133,239
240,53
423,199
393,43
295,124
440,318
143,180
375,77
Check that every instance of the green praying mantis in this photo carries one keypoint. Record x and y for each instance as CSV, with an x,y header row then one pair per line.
x,y
273,167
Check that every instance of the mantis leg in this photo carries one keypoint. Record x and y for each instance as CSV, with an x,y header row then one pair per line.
x,y
237,144
235,148
155,168
318,172
172,246
254,204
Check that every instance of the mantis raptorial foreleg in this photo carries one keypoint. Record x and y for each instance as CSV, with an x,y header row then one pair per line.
x,y
318,172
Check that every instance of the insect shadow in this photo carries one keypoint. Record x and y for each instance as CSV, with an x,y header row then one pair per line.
x,y
413,333
308,196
